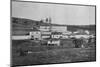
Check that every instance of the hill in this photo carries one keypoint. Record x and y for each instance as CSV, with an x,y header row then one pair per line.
x,y
22,26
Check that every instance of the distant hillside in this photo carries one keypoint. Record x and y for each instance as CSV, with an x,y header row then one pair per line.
x,y
84,27
24,26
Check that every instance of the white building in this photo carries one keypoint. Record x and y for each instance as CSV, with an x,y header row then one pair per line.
x,y
45,34
35,35
81,32
67,33
55,42
44,28
56,36
54,28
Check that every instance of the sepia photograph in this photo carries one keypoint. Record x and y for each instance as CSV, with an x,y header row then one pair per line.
x,y
52,33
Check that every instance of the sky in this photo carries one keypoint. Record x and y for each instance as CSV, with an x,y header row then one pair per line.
x,y
60,14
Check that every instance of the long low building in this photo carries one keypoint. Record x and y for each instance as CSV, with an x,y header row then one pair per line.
x,y
53,28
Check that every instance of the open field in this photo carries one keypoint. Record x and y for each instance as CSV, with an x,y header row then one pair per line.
x,y
49,54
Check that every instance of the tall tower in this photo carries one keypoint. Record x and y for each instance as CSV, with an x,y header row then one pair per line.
x,y
48,20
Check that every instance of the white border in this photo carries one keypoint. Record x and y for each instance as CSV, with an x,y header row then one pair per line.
x,y
5,33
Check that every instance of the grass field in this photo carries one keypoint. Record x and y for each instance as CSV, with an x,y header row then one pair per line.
x,y
49,54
